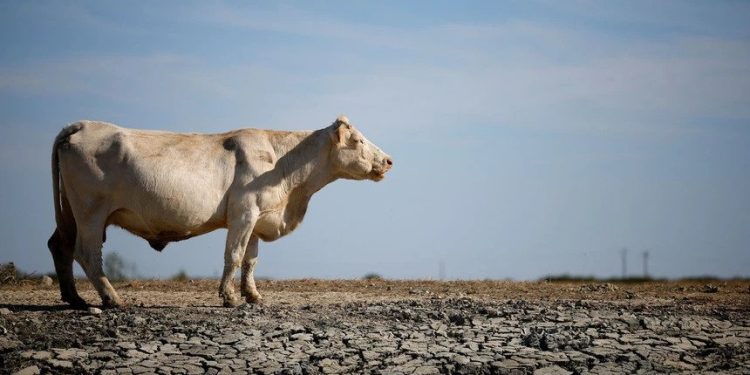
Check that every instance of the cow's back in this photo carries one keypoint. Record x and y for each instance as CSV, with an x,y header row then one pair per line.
x,y
158,185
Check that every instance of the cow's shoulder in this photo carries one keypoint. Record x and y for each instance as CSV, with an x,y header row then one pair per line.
x,y
252,146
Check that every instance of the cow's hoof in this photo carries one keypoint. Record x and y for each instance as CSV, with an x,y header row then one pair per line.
x,y
76,302
253,298
232,302
112,303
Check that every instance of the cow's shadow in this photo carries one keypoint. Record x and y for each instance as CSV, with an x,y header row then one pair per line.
x,y
15,308
38,308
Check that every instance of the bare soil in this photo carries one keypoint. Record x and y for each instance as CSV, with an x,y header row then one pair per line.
x,y
383,326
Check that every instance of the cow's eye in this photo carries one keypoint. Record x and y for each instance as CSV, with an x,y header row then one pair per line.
x,y
362,141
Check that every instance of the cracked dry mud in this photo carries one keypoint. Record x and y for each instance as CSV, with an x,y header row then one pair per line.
x,y
386,327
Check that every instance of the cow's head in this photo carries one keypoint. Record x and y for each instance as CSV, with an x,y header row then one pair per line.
x,y
353,156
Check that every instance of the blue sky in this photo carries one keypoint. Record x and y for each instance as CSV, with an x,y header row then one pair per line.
x,y
529,137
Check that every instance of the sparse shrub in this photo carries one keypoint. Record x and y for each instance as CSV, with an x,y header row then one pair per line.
x,y
117,268
180,276
372,276
8,273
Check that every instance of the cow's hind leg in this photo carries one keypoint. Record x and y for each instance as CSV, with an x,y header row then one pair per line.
x,y
238,236
62,254
88,253
248,289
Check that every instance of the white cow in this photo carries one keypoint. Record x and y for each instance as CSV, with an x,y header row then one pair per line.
x,y
166,187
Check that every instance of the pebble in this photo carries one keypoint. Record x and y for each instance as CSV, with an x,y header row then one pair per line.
x,y
552,370
95,310
60,363
708,288
31,370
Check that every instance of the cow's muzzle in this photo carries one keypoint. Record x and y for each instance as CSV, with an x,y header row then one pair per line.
x,y
378,173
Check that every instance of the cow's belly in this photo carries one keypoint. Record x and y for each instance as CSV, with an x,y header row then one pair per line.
x,y
173,200
163,222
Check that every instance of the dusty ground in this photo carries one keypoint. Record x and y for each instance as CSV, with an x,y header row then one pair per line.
x,y
390,327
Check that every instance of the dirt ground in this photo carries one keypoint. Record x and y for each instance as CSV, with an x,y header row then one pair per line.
x,y
730,295
383,326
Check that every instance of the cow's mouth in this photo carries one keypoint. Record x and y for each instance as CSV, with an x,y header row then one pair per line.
x,y
377,175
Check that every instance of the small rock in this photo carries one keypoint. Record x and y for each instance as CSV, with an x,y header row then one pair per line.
x,y
135,320
46,281
7,344
148,347
469,368
42,355
60,364
506,364
551,342
31,370
426,370
708,288
731,340
457,318
5,311
70,354
551,370
370,355
126,345
103,355
302,336
403,358
132,353
532,340
601,352
95,310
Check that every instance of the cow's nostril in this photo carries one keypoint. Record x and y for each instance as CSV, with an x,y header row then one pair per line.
x,y
388,161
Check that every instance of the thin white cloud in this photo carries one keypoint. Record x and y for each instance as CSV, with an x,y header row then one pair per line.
x,y
517,73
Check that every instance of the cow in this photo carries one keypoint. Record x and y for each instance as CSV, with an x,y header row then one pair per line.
x,y
165,187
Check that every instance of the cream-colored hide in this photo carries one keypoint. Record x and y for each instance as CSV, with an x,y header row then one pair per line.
x,y
165,187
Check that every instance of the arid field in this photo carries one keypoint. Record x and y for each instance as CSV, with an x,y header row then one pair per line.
x,y
382,326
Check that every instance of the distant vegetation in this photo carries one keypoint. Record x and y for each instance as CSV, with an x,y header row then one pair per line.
x,y
9,274
180,276
372,276
584,278
631,279
117,268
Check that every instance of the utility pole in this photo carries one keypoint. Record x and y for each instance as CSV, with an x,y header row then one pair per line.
x,y
645,264
624,255
441,270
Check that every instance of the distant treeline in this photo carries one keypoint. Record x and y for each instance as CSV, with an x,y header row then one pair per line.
x,y
121,270
634,279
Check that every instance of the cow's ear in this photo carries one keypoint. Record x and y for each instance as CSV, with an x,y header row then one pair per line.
x,y
340,127
341,132
343,120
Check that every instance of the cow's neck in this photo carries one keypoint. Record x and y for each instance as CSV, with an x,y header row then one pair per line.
x,y
305,164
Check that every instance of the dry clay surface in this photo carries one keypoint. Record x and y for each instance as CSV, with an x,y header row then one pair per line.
x,y
386,327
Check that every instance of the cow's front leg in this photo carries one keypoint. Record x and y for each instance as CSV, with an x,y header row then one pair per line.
x,y
248,289
238,236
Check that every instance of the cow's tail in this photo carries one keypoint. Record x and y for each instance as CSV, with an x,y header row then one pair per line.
x,y
66,224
